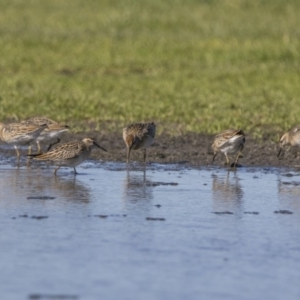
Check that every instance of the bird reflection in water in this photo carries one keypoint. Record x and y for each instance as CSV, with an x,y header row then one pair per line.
x,y
137,188
72,189
36,185
227,192
289,193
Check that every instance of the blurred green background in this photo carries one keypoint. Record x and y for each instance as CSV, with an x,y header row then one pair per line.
x,y
189,65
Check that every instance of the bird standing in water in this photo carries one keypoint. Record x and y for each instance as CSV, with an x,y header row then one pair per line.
x,y
229,141
54,130
20,133
139,136
69,154
290,138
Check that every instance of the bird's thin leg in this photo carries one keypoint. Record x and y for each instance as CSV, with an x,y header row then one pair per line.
x,y
215,154
38,146
29,149
75,172
237,158
128,153
145,154
227,159
17,151
56,170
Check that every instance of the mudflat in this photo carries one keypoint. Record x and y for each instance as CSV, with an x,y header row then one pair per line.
x,y
193,149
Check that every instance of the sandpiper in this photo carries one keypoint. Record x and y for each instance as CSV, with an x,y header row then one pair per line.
x,y
290,138
54,130
138,136
229,141
69,154
20,133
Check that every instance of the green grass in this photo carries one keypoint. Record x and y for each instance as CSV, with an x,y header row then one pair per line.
x,y
189,65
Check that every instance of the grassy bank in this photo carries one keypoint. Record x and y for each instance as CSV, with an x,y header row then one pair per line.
x,y
191,65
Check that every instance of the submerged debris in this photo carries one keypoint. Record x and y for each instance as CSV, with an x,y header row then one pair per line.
x,y
295,183
288,175
101,216
105,216
46,296
39,217
40,198
283,211
158,183
117,215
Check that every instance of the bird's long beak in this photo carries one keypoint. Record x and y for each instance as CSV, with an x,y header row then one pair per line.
x,y
279,152
97,145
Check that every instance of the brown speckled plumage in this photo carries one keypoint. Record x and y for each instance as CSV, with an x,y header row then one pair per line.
x,y
20,133
69,154
138,136
229,141
290,138
54,129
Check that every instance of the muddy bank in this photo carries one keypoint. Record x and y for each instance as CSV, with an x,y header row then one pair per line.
x,y
192,149
189,149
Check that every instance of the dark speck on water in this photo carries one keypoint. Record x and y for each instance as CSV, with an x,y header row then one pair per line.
x,y
161,183
251,212
288,175
117,215
52,297
40,198
295,183
155,219
223,212
284,212
39,217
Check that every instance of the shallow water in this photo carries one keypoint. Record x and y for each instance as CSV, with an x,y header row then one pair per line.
x,y
213,234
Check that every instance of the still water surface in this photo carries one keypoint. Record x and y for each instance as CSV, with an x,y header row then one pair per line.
x,y
215,235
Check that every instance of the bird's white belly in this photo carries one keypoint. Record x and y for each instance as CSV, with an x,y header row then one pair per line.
x,y
233,145
48,135
231,149
72,162
21,140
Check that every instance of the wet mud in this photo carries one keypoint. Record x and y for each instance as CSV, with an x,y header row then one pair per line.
x,y
190,149
195,150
